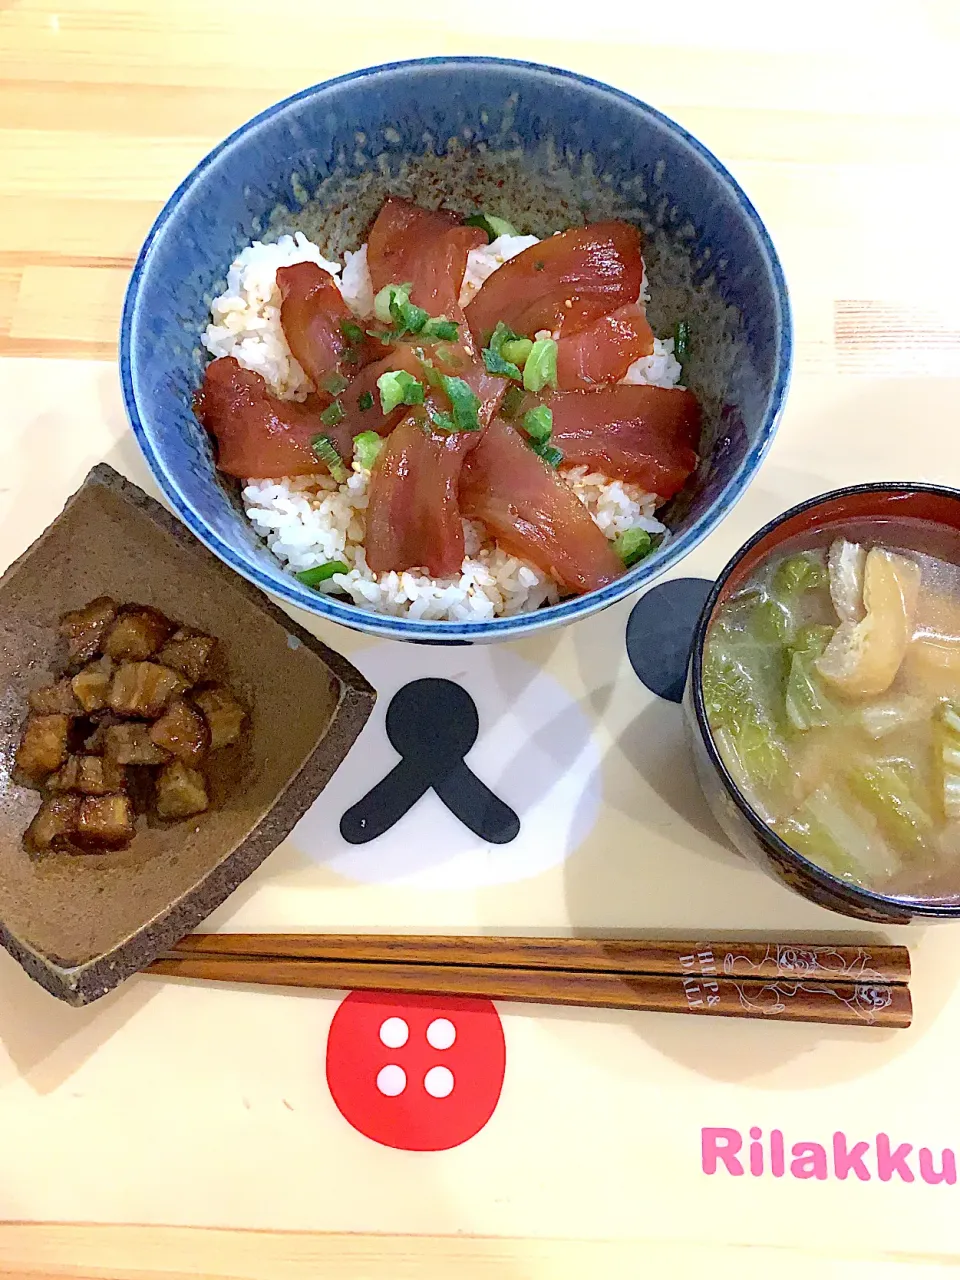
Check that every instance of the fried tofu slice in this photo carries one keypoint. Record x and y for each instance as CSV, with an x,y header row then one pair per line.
x,y
137,634
130,744
182,731
43,746
91,685
188,652
84,628
54,699
143,689
105,822
54,825
223,713
181,791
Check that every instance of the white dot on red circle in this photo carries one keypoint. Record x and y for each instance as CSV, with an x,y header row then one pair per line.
x,y
441,1033
438,1082
394,1033
391,1080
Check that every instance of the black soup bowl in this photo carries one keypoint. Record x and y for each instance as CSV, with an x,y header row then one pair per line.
x,y
828,515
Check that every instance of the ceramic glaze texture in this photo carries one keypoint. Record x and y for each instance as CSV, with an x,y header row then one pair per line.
x,y
543,147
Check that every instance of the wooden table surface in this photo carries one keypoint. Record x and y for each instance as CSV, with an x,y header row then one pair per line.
x,y
842,120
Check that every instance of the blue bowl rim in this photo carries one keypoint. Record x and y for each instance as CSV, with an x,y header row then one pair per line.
x,y
896,910
353,616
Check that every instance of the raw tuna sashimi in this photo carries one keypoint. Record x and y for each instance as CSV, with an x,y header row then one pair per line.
x,y
603,352
320,328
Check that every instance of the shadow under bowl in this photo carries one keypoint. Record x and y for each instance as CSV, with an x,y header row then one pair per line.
x,y
903,505
541,147
81,923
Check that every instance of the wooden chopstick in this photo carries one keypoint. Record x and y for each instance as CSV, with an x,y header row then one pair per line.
x,y
790,960
785,1000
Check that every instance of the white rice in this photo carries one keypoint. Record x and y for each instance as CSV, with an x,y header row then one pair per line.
x,y
307,521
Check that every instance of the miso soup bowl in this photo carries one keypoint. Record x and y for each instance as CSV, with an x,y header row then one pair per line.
x,y
829,513
541,147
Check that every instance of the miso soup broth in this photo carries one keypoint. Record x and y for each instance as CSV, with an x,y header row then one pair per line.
x,y
831,683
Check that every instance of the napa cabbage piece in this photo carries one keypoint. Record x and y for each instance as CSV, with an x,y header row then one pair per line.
x,y
880,719
845,566
947,749
808,704
892,792
831,830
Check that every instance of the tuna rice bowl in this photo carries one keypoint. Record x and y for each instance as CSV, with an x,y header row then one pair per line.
x,y
457,422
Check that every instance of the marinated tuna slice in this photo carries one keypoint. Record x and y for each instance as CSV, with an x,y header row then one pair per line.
x,y
426,248
413,512
605,351
105,822
91,685
55,699
143,689
320,328
647,435
54,825
182,731
565,282
188,652
181,791
43,746
532,513
223,713
257,434
84,628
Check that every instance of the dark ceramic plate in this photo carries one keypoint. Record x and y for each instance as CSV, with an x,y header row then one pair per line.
x,y
81,924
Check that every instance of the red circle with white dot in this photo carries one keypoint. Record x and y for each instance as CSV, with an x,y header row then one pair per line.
x,y
419,1073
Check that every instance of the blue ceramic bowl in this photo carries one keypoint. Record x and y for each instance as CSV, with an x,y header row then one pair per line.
x,y
544,148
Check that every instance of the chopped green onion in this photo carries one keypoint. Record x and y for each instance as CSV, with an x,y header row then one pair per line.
x,y
540,369
399,388
365,401
313,577
366,448
681,340
408,316
464,402
551,455
516,350
443,330
381,303
442,421
352,332
512,403
496,364
493,357
431,374
538,423
335,383
326,451
493,226
332,414
633,545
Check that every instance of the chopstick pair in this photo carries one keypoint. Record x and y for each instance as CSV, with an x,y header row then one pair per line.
x,y
785,981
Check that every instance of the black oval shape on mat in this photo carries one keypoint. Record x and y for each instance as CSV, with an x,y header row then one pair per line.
x,y
660,632
432,724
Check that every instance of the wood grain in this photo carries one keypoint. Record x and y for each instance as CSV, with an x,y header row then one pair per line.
x,y
751,959
796,1000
